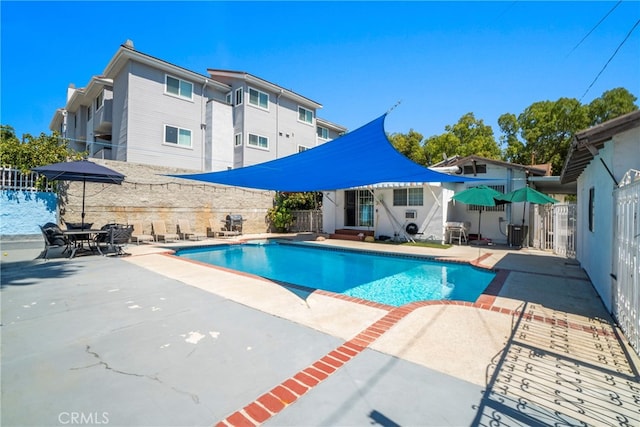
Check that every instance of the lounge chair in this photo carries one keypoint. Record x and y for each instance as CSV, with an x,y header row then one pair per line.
x,y
185,232
138,235
53,238
160,232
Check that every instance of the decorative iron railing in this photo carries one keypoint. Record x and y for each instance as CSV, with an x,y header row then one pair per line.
x,y
626,260
14,179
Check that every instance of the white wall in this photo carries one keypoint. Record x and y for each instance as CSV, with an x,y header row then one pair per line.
x,y
430,217
150,109
329,211
491,226
220,133
595,248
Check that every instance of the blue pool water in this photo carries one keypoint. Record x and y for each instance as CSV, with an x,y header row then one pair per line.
x,y
391,280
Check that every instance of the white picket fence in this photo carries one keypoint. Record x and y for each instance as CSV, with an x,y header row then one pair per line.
x,y
303,221
626,258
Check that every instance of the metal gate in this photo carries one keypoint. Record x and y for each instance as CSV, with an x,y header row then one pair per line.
x,y
555,228
626,258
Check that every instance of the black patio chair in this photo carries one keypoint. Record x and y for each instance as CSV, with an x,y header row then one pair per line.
x,y
53,238
114,240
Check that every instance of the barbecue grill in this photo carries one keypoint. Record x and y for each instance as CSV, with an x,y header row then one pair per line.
x,y
234,223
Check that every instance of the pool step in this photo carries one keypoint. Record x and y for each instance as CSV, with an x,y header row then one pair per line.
x,y
348,234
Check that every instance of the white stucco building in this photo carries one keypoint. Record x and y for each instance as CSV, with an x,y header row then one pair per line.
x,y
598,159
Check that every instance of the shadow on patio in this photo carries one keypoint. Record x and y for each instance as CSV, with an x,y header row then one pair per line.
x,y
561,371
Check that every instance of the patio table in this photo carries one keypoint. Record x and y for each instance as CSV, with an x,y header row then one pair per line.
x,y
79,237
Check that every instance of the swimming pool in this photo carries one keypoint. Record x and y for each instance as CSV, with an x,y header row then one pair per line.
x,y
387,279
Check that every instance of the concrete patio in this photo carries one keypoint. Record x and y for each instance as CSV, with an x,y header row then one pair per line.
x,y
152,339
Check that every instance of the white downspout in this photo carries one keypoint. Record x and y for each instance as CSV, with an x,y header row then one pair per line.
x,y
278,120
203,127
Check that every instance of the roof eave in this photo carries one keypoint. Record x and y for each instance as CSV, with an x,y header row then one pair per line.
x,y
126,53
257,81
587,143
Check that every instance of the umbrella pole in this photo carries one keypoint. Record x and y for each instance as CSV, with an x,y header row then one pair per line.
x,y
478,242
84,183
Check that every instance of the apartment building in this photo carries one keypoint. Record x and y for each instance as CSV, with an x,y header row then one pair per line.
x,y
142,109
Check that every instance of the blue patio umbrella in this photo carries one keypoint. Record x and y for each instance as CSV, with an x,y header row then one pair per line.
x,y
80,170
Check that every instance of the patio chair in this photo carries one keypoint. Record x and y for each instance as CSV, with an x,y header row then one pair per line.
x,y
457,230
137,235
185,232
118,235
53,238
160,232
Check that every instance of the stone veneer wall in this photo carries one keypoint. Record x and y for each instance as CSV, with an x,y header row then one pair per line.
x,y
146,195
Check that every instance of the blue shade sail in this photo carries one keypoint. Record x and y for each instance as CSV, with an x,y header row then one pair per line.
x,y
360,158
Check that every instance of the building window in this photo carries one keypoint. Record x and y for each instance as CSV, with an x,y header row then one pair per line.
x,y
228,98
259,99
258,141
177,136
408,197
305,115
474,169
498,208
238,140
238,96
302,148
89,113
178,87
358,208
323,133
592,208
99,101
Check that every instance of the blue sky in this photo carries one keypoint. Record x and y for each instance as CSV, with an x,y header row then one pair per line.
x,y
441,60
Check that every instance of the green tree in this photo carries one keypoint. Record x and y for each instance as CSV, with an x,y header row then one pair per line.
x,y
613,103
470,136
514,149
547,128
543,131
33,151
410,145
